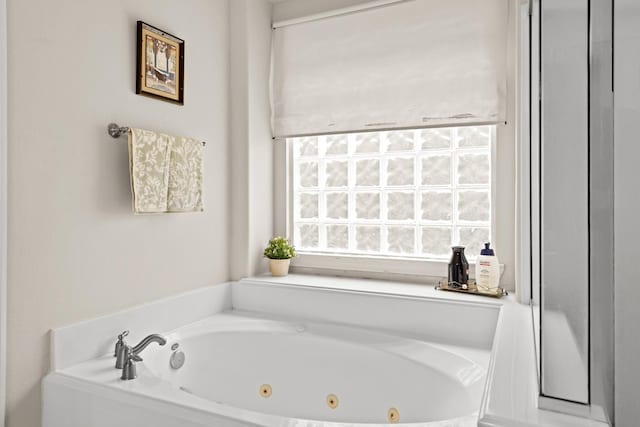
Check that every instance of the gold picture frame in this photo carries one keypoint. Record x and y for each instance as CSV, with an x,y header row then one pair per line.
x,y
160,64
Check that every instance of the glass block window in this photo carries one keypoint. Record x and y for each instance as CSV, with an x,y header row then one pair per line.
x,y
406,193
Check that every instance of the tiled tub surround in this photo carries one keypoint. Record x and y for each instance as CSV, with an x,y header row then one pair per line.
x,y
375,345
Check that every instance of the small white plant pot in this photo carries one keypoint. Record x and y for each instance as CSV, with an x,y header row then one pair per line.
x,y
279,267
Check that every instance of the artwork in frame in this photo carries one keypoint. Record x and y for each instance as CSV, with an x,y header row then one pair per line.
x,y
160,64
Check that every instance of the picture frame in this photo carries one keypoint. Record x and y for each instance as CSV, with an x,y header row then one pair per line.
x,y
160,64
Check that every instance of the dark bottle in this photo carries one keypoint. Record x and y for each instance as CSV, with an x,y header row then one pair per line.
x,y
458,267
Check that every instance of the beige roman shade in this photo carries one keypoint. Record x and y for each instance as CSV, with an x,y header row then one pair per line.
x,y
416,63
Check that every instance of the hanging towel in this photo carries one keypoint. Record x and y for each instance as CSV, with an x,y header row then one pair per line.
x,y
166,172
185,175
149,154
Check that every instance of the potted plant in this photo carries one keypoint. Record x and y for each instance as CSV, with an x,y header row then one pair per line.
x,y
279,252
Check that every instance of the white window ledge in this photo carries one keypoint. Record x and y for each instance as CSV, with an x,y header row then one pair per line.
x,y
396,287
375,267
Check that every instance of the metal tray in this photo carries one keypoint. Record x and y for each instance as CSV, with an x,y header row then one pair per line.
x,y
473,289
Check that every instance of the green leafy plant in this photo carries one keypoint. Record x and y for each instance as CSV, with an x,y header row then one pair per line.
x,y
279,248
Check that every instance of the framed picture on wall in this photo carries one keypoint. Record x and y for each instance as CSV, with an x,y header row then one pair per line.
x,y
160,64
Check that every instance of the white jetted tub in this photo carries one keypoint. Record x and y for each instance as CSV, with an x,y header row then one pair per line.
x,y
372,360
317,371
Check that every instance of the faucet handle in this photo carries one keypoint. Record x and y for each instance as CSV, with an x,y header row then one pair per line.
x,y
120,343
129,366
125,356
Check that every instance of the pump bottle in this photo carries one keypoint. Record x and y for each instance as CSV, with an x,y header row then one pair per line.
x,y
487,268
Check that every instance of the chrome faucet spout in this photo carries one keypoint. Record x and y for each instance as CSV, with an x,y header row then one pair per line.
x,y
148,340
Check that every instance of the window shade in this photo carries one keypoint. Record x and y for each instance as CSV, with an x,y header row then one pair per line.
x,y
413,64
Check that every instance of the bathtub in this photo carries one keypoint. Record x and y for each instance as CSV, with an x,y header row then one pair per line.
x,y
283,355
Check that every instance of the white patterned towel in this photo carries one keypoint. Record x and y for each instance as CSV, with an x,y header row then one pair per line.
x,y
166,172
185,175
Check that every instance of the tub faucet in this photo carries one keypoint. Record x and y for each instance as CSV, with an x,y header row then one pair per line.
x,y
148,340
126,356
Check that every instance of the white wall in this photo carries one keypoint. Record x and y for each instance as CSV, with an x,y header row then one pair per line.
x,y
504,185
76,250
251,144
626,208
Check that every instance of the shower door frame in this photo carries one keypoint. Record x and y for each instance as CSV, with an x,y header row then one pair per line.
x,y
597,403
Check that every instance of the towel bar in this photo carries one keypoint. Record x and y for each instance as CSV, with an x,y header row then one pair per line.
x,y
117,131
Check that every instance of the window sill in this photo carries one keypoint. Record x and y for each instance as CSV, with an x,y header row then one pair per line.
x,y
373,267
391,288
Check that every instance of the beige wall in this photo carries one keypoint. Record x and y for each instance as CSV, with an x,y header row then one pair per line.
x,y
252,146
75,249
3,206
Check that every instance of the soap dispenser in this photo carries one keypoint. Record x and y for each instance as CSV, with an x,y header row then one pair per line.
x,y
458,268
487,268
